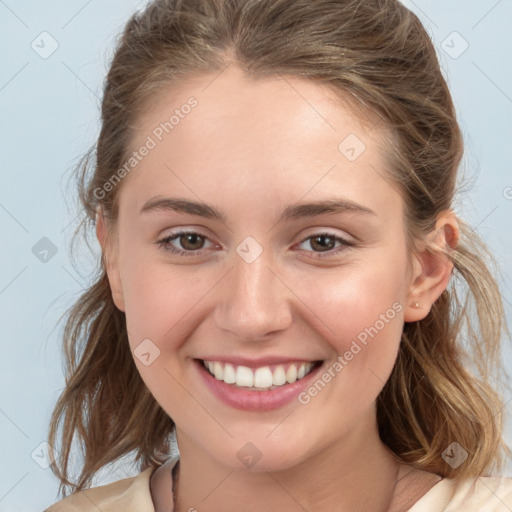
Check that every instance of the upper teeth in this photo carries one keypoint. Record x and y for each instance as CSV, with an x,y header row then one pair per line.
x,y
258,378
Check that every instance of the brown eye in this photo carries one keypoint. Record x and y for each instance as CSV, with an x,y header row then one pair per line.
x,y
191,241
322,243
185,243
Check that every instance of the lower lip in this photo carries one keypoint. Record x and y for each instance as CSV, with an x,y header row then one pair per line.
x,y
255,400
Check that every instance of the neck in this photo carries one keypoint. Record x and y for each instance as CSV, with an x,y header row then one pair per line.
x,y
358,473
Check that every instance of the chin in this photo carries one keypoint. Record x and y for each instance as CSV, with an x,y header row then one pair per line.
x,y
260,455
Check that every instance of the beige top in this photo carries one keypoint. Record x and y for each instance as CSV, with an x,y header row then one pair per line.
x,y
483,494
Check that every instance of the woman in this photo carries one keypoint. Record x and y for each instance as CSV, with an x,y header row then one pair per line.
x,y
272,194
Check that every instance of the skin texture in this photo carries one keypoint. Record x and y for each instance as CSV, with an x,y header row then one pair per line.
x,y
251,148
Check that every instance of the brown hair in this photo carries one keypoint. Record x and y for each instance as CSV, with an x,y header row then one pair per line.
x,y
378,53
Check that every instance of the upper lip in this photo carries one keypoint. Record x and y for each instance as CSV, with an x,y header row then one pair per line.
x,y
257,362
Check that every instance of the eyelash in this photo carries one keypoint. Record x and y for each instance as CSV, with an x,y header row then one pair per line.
x,y
165,244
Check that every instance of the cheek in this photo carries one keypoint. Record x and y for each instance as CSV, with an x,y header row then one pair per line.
x,y
160,302
360,313
352,301
364,313
159,299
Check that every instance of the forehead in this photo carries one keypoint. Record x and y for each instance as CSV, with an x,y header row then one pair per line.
x,y
257,141
272,105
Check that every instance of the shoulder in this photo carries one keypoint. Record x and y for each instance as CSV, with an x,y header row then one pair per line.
x,y
485,494
129,494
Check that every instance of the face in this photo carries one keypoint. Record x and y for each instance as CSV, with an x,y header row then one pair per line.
x,y
259,233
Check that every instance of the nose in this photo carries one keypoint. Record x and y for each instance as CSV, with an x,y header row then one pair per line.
x,y
255,302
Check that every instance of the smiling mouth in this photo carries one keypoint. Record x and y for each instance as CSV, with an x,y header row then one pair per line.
x,y
263,378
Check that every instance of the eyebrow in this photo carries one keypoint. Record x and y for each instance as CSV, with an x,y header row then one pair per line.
x,y
294,211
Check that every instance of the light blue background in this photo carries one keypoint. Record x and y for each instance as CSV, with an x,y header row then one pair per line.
x,y
49,117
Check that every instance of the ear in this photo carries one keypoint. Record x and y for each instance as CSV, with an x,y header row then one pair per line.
x,y
432,267
108,243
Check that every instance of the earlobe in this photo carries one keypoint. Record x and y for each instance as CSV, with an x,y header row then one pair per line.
x,y
432,267
109,257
